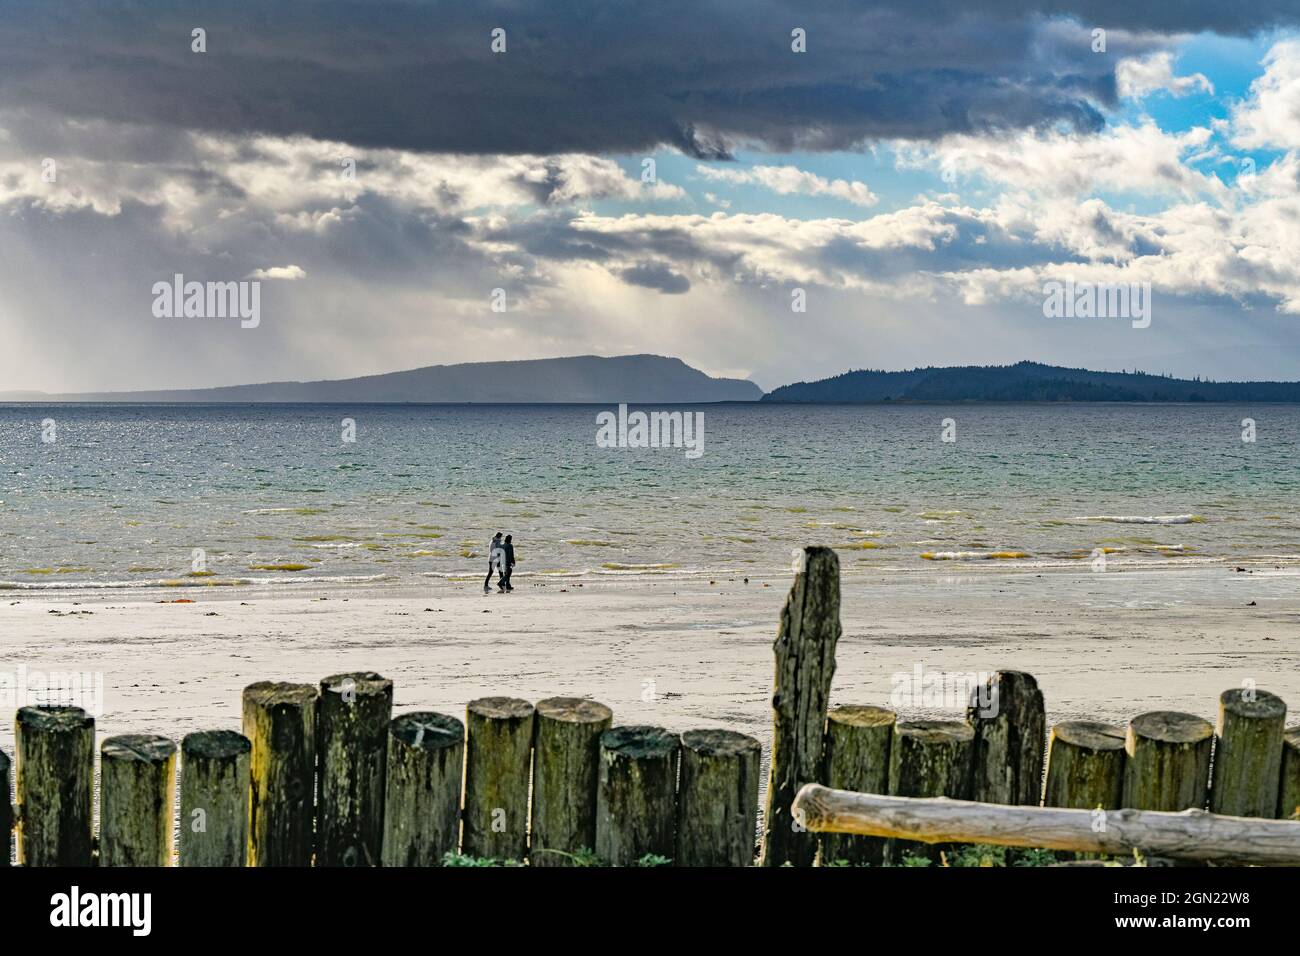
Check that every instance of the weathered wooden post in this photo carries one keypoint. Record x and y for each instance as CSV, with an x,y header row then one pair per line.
x,y
856,757
352,719
566,767
1010,724
426,757
137,782
805,664
1248,753
214,798
928,758
636,799
55,747
6,810
1288,799
498,756
1085,766
717,803
1167,766
280,722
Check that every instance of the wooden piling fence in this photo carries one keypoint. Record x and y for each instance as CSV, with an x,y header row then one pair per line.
x,y
326,774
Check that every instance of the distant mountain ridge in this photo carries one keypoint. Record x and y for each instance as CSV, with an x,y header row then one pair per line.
x,y
635,379
1024,382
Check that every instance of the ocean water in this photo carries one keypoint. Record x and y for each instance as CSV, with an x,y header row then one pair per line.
x,y
239,497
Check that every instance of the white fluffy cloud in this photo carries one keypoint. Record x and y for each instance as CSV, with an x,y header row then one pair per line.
x,y
1270,117
1137,77
790,180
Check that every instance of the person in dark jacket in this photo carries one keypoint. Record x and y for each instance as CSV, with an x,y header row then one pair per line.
x,y
508,564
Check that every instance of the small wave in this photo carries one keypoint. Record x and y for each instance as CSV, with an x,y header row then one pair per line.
x,y
972,555
187,583
614,566
1143,519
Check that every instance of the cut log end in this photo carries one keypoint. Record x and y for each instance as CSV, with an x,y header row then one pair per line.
x,y
575,710
48,718
719,743
426,730
1090,735
935,731
141,748
861,715
639,742
266,694
359,683
1170,727
1253,704
500,708
215,745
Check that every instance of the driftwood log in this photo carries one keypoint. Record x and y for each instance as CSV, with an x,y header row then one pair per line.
x,y
1189,835
805,664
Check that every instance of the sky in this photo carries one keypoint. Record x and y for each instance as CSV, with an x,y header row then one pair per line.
x,y
780,191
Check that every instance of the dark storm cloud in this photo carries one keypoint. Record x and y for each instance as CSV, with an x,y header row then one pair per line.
x,y
651,275
702,75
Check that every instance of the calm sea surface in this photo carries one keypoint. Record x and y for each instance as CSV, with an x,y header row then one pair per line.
x,y
150,496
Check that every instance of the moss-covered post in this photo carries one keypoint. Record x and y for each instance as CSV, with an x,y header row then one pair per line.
x,y
498,758
928,758
280,722
6,811
805,664
1288,798
1010,725
426,754
214,798
717,801
352,720
1085,766
566,767
856,757
1248,753
136,788
636,798
1167,766
55,747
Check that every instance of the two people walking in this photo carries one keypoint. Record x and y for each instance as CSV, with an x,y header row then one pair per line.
x,y
501,561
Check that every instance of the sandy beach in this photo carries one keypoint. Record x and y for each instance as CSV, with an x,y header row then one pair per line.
x,y
680,653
